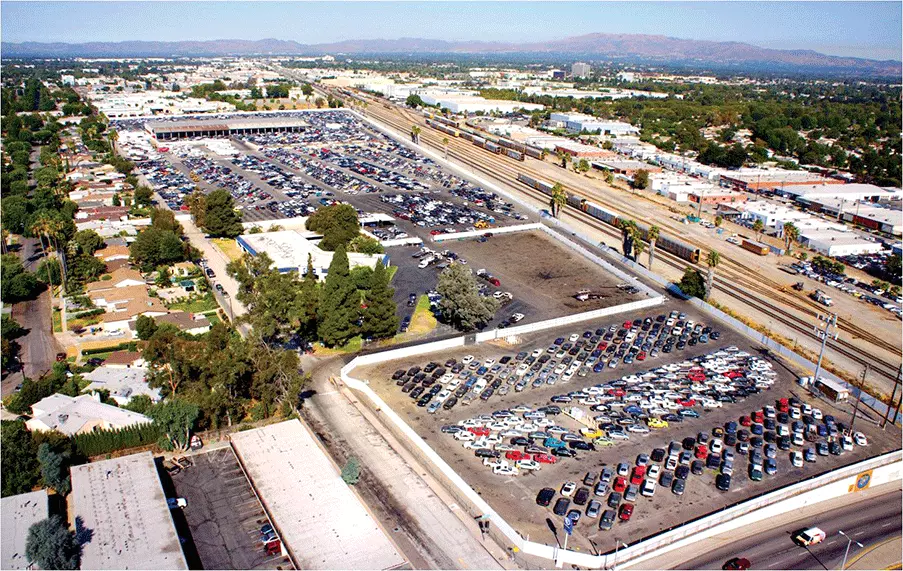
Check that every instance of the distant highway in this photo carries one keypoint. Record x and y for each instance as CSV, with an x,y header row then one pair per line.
x,y
869,522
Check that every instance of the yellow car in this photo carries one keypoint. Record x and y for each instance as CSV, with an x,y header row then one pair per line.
x,y
591,432
604,441
657,423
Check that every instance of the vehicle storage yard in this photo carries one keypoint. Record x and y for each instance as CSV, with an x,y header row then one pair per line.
x,y
626,433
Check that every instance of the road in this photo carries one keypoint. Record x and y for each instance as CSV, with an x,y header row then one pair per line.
x,y
428,531
869,522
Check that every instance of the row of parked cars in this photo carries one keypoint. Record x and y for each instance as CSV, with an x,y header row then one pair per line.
x,y
862,290
429,211
328,175
715,453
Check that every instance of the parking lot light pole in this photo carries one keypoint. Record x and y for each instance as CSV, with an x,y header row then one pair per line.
x,y
850,541
824,332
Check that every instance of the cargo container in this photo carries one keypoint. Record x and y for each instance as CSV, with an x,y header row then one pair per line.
x,y
755,247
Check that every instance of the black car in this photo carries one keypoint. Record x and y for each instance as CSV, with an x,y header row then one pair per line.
x,y
451,402
666,478
544,498
678,487
416,392
614,499
399,374
689,443
486,453
607,520
658,454
713,461
425,400
520,441
561,506
581,445
581,496
835,449
723,482
681,472
564,453
697,467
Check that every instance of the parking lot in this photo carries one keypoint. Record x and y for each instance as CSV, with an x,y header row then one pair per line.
x,y
223,513
624,433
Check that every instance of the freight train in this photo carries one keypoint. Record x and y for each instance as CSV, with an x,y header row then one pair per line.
x,y
673,246
498,146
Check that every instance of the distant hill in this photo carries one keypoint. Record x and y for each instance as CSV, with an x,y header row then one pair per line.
x,y
621,47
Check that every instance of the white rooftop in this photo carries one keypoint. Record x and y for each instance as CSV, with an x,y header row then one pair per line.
x,y
122,502
80,414
123,384
322,523
18,513
853,191
289,250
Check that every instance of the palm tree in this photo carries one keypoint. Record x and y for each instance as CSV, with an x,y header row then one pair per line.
x,y
564,158
712,261
791,235
758,226
629,233
652,235
445,144
415,134
638,247
559,199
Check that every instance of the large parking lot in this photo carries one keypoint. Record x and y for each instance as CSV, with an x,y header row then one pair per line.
x,y
223,514
547,412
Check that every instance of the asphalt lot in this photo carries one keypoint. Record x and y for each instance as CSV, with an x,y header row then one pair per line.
x,y
514,497
223,513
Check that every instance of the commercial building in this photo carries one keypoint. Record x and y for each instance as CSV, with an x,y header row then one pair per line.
x,y
580,69
772,179
716,195
122,502
79,415
625,167
579,122
579,150
836,243
17,514
234,125
289,250
457,102
883,217
586,94
807,194
321,522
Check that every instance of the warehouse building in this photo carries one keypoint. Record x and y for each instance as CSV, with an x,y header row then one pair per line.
x,y
122,502
580,122
18,514
849,193
625,167
186,128
883,218
835,243
289,250
772,179
321,522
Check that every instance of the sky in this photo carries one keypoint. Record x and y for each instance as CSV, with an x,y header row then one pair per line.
x,y
861,29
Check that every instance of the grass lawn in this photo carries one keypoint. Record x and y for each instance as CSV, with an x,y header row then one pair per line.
x,y
85,322
423,320
391,270
227,246
196,305
352,346
213,318
57,321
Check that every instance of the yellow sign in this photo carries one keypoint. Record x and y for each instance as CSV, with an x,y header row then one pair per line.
x,y
862,482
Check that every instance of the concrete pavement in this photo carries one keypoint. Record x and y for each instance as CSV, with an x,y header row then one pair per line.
x,y
433,527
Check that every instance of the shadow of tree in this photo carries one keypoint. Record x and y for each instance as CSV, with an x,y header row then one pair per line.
x,y
83,535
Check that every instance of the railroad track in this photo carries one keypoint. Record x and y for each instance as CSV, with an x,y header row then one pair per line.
x,y
475,158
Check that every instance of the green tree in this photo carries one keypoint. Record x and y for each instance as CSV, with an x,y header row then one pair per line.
x,y
51,545
197,205
641,179
310,301
50,272
461,304
414,101
14,212
758,226
365,245
791,235
711,260
221,220
339,303
176,417
145,327
143,195
338,223
54,469
893,266
559,198
19,458
652,235
380,319
18,284
140,404
692,283
307,90
154,247
88,242
582,165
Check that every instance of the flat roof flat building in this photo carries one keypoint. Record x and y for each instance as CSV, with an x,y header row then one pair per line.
x,y
289,250
18,514
183,128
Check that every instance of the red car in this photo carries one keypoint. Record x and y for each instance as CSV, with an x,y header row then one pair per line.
x,y
758,416
696,377
479,430
733,374
616,392
516,455
702,451
641,356
745,421
638,474
435,232
274,547
686,402
626,512
602,346
620,484
545,458
627,325
784,405
738,563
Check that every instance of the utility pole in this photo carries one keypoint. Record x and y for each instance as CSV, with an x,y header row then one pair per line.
x,y
890,404
823,332
865,372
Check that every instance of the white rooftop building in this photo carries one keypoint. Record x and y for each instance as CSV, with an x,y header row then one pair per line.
x,y
458,102
849,193
579,122
835,243
123,384
18,513
80,414
122,502
289,250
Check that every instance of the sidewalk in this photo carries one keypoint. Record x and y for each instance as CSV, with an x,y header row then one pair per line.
x,y
884,555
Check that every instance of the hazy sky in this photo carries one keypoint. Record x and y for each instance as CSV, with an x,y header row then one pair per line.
x,y
862,29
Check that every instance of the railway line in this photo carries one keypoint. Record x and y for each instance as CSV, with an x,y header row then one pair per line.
x,y
730,275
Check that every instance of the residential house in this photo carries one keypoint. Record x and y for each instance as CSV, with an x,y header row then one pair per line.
x,y
124,360
122,383
195,324
123,277
112,253
79,415
117,322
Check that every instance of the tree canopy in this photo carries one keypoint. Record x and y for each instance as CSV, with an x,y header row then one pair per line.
x,y
340,303
461,304
338,223
51,545
220,219
380,319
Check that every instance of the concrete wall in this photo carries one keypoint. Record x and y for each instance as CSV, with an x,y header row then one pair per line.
x,y
478,233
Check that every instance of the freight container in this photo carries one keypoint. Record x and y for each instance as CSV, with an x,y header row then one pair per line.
x,y
755,247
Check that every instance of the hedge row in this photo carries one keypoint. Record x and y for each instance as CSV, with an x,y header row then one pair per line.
x,y
105,441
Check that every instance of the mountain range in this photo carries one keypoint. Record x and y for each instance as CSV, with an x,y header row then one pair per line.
x,y
615,47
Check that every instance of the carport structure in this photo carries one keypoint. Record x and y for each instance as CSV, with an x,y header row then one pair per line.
x,y
182,129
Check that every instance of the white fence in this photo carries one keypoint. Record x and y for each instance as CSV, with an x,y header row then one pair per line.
x,y
493,230
402,242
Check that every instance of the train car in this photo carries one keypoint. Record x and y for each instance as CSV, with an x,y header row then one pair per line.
x,y
465,135
446,121
518,156
493,148
534,152
755,247
680,249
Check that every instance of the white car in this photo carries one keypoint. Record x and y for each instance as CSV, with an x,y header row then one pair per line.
x,y
654,472
816,414
568,489
517,317
573,337
468,359
528,465
860,439
638,428
465,435
846,443
796,458
505,471
671,463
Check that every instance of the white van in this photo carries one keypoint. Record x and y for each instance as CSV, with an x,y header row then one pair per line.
x,y
809,536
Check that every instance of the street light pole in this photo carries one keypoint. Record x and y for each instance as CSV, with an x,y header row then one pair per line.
x,y
850,541
865,372
825,332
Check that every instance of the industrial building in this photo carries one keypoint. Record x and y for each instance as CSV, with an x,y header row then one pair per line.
x,y
884,218
321,522
289,250
122,502
18,514
579,122
835,243
235,125
465,103
625,167
849,193
772,179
